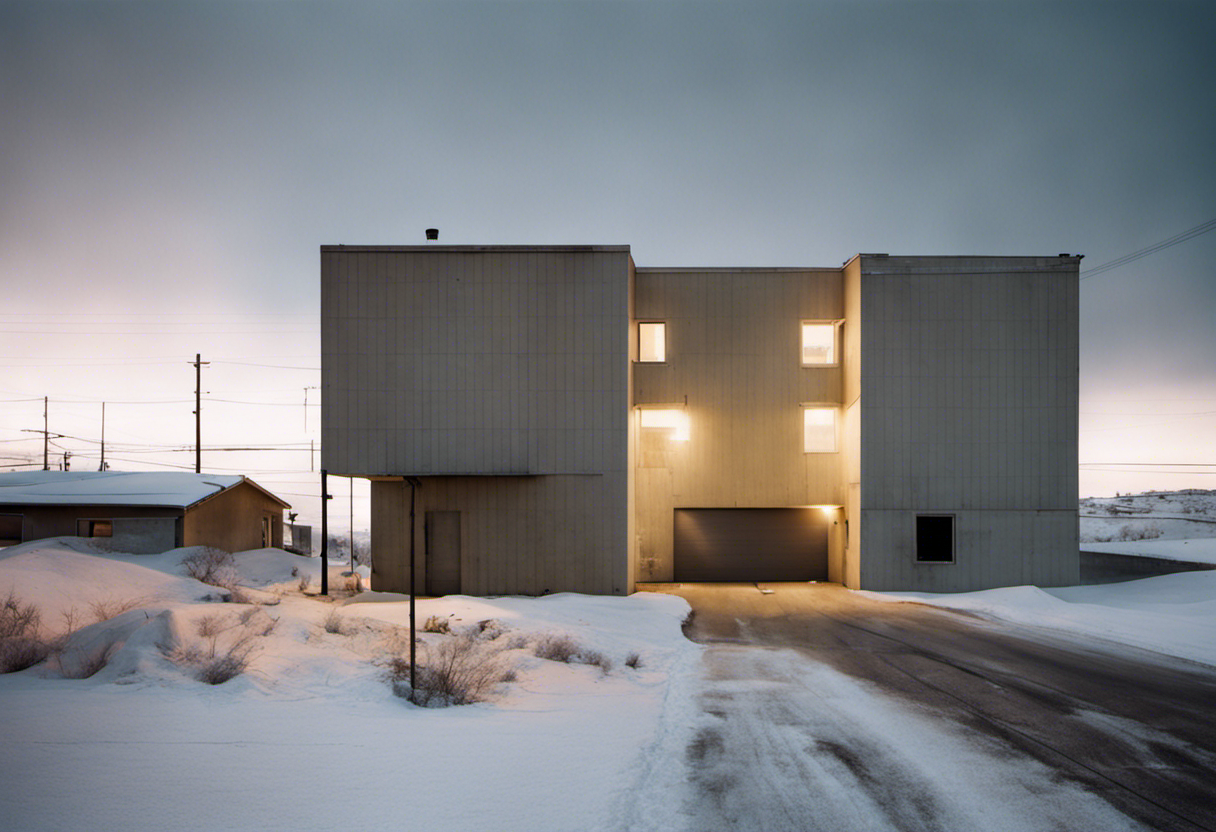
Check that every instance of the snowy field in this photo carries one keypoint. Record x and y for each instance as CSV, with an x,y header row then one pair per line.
x,y
1138,524
311,736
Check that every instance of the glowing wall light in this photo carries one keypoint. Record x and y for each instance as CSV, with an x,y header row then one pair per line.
x,y
674,419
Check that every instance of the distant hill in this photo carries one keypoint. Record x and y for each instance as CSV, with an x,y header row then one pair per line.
x,y
1165,515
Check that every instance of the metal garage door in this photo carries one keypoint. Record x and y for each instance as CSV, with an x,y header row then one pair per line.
x,y
751,544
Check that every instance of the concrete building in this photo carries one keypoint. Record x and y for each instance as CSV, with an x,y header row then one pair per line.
x,y
142,512
562,420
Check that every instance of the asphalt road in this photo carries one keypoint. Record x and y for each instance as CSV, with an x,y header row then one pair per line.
x,y
1127,738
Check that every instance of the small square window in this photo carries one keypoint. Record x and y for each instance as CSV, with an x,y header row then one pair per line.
x,y
652,342
818,343
819,430
935,538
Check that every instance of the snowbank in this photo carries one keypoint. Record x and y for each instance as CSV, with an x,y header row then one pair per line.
x,y
1171,614
311,736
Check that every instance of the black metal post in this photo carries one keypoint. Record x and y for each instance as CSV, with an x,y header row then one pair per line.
x,y
325,498
413,646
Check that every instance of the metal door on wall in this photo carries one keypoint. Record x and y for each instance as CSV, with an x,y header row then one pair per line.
x,y
751,544
442,552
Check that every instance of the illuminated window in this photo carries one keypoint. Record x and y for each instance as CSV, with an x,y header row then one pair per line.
x,y
652,341
673,419
818,343
935,538
819,430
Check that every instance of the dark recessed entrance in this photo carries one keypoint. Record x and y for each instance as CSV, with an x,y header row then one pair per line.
x,y
751,544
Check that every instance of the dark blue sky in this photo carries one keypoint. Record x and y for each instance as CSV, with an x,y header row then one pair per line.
x,y
174,163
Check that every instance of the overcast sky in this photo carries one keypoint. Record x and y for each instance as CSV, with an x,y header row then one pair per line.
x,y
168,171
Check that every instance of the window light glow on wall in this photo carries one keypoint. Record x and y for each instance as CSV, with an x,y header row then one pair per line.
x,y
652,341
819,430
674,419
818,343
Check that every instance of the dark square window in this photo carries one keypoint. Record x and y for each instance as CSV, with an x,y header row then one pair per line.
x,y
935,538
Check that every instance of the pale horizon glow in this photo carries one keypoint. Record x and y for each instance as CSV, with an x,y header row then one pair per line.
x,y
170,170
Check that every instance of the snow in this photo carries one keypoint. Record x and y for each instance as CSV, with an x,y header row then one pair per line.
x,y
131,488
1195,550
1171,614
311,736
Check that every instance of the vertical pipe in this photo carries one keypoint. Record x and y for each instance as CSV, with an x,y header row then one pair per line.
x,y
324,533
46,438
413,646
352,524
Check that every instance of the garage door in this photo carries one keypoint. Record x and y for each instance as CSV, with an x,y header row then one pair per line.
x,y
751,544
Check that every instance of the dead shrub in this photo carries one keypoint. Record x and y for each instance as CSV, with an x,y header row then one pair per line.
x,y
107,608
557,648
457,671
305,582
491,628
18,619
594,657
435,624
336,624
21,642
211,566
219,668
19,652
83,665
215,662
633,660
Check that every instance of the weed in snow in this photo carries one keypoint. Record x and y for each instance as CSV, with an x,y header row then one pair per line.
x,y
21,642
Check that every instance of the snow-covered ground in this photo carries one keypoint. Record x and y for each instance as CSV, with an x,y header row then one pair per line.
x,y
1171,614
1108,524
311,736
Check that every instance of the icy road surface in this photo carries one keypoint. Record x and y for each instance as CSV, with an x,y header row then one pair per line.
x,y
821,709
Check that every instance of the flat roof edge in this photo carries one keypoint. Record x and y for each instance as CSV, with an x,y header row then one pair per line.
x,y
463,249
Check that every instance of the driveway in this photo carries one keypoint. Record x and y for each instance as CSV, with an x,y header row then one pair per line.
x,y
822,709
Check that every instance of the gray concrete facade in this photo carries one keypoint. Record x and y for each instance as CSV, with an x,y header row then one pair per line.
x,y
552,450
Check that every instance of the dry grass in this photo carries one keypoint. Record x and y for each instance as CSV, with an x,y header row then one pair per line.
x,y
21,641
456,671
336,624
435,624
83,665
557,648
211,566
107,608
633,660
216,661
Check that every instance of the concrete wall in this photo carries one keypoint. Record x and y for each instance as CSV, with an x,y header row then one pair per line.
x,y
519,535
42,521
233,520
508,366
734,350
850,573
969,406
466,360
144,535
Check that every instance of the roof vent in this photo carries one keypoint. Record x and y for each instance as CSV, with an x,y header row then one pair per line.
x,y
432,233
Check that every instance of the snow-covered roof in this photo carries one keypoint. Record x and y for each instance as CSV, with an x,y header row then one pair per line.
x,y
128,488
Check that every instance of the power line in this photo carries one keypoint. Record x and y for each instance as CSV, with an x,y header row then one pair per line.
x,y
1181,237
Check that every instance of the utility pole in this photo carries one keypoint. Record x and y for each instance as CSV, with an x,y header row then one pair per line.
x,y
352,524
46,438
102,466
198,411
